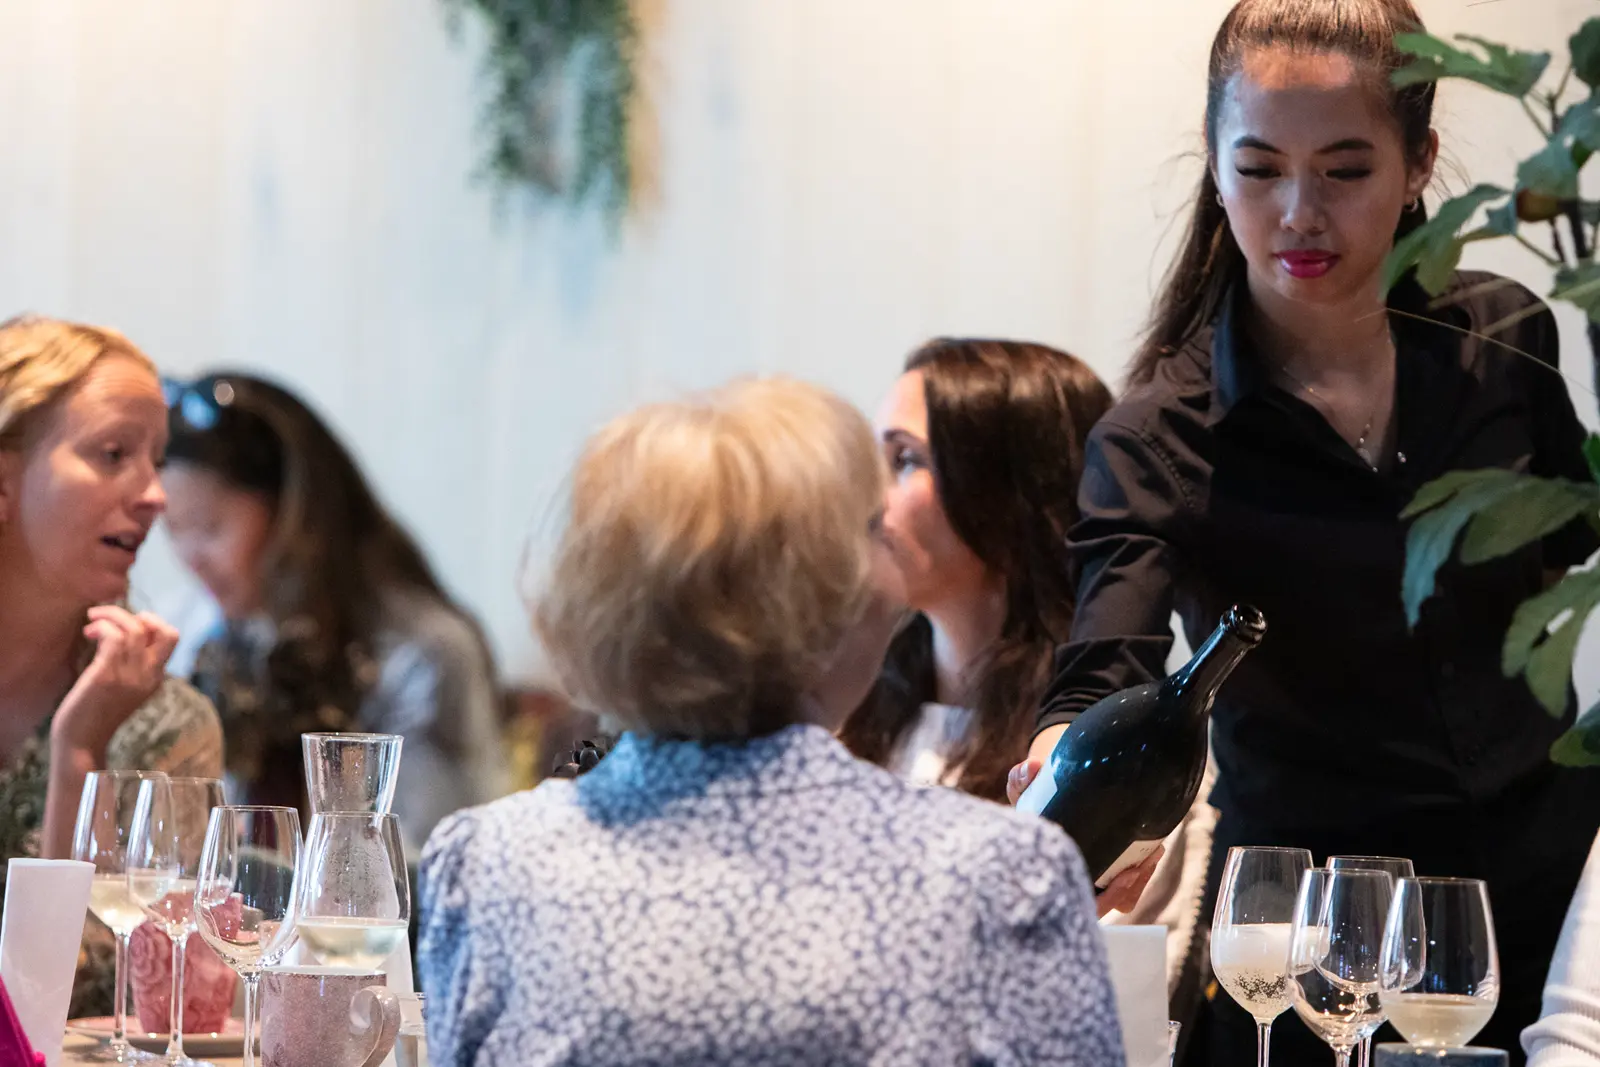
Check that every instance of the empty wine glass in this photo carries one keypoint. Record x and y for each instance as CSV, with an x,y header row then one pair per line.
x,y
1397,868
244,903
105,823
1441,966
169,824
352,900
350,771
1250,932
1335,947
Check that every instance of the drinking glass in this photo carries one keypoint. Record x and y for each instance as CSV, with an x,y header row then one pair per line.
x,y
352,900
244,902
105,822
1250,932
169,825
1441,967
1397,868
351,772
1335,946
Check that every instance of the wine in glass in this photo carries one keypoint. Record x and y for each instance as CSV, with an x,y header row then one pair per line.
x,y
1335,946
1441,966
1250,932
1397,868
105,823
164,847
352,901
244,901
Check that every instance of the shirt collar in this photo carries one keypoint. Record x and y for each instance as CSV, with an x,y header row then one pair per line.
x,y
642,774
1238,372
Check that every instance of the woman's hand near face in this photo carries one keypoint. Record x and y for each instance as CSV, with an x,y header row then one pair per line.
x,y
130,658
1126,888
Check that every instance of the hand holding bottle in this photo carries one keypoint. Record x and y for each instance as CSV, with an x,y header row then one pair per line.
x,y
1126,888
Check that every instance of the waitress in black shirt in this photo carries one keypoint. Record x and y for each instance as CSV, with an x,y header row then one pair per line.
x,y
1283,410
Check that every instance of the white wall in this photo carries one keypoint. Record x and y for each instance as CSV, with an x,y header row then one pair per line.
x,y
284,184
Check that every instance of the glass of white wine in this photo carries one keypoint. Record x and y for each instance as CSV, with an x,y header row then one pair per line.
x,y
244,902
169,829
1441,966
105,823
352,900
1250,932
1334,948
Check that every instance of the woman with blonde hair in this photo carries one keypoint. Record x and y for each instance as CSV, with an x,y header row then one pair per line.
x,y
83,432
729,885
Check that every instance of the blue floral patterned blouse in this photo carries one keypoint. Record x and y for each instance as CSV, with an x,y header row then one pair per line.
x,y
775,902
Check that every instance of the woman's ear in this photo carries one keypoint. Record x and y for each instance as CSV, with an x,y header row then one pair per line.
x,y
10,483
1420,174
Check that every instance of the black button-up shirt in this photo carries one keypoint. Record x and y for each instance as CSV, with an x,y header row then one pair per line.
x,y
1211,486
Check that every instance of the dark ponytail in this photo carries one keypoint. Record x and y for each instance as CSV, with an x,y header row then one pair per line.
x,y
1210,262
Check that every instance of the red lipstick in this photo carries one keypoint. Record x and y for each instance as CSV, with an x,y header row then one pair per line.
x,y
1307,263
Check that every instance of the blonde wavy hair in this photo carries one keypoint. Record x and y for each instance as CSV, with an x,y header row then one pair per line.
x,y
41,361
716,553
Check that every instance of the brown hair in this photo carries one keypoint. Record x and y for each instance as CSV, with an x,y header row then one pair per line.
x,y
1210,261
1007,422
717,551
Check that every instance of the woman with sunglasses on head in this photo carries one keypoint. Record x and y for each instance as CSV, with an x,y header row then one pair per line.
x,y
333,619
82,681
1282,412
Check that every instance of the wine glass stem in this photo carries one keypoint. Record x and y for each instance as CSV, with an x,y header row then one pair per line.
x,y
1366,1051
1263,1042
119,998
252,1007
175,1042
1343,1055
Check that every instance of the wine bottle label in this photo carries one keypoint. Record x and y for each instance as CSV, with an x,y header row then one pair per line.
x,y
1132,856
1040,792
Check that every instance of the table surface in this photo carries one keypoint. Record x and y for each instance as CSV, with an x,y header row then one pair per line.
x,y
75,1045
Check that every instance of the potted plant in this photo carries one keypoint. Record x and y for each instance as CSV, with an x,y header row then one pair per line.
x,y
1495,512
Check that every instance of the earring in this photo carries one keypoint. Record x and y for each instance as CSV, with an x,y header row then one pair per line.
x,y
1221,202
1416,202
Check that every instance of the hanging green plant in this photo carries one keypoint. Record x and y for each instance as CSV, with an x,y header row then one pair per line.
x,y
561,81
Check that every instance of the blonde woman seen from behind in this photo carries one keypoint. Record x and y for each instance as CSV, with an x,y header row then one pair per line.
x,y
729,885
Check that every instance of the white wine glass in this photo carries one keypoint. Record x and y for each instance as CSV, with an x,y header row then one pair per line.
x,y
105,823
1335,946
164,849
352,899
244,900
1441,966
1250,932
1397,868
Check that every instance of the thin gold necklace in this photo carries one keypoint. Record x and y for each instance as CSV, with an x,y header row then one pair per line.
x,y
1366,431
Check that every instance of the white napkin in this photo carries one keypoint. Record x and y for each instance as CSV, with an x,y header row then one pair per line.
x,y
47,902
1138,960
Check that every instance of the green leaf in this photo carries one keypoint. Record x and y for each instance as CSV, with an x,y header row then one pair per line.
x,y
1433,535
1533,508
1579,285
1580,124
1502,220
1544,653
1550,171
1434,248
1499,68
1585,46
1579,746
1591,452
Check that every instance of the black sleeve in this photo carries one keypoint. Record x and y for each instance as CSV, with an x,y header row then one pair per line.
x,y
1558,438
1122,550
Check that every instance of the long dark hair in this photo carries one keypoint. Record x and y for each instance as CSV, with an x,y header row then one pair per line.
x,y
1007,422
1210,261
334,550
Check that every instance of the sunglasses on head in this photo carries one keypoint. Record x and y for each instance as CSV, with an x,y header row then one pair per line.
x,y
199,404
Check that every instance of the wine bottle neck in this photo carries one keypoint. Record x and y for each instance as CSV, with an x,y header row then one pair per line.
x,y
1196,682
